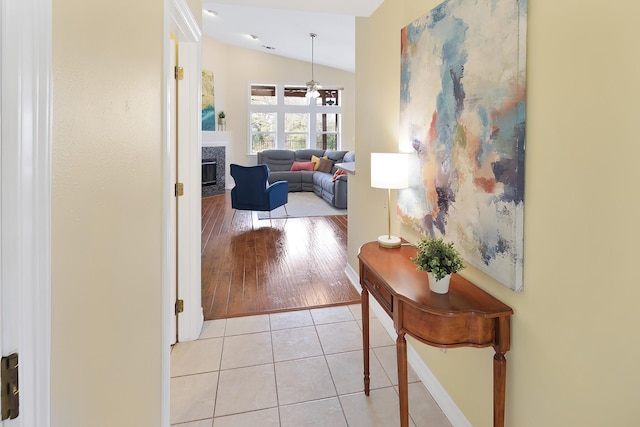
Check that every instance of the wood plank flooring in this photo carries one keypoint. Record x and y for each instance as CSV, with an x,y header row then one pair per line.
x,y
249,267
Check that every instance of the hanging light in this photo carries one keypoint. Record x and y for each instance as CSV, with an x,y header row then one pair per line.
x,y
312,85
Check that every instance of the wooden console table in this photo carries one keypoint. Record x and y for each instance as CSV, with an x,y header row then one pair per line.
x,y
465,317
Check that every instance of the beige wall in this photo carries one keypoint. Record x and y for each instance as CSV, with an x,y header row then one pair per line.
x,y
575,339
106,213
236,68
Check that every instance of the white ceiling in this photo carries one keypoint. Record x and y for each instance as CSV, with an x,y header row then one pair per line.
x,y
285,25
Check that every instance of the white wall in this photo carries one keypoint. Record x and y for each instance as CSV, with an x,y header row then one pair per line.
x,y
575,340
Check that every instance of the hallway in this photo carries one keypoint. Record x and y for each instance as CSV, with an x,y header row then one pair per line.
x,y
292,369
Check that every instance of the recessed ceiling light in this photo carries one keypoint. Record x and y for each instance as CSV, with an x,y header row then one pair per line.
x,y
253,36
269,47
213,12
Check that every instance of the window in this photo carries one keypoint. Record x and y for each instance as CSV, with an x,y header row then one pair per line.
x,y
282,117
296,130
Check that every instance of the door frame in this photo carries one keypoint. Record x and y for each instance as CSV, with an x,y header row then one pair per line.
x,y
25,224
179,21
189,154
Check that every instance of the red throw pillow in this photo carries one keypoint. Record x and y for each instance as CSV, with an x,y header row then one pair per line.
x,y
338,173
302,166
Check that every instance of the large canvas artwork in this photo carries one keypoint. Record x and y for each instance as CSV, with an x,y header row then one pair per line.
x,y
463,116
208,106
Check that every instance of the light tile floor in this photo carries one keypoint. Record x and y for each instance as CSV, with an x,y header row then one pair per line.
x,y
293,369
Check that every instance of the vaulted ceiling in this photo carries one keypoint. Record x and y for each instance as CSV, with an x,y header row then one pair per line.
x,y
282,27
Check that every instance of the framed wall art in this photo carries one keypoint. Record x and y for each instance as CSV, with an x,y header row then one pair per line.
x,y
462,115
208,101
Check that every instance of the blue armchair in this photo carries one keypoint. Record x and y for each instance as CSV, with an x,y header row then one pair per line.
x,y
252,191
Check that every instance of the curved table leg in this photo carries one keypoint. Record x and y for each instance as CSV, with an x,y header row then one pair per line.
x,y
499,388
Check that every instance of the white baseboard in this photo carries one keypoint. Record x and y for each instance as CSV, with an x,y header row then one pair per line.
x,y
440,395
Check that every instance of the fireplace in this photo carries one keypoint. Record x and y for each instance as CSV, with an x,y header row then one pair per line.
x,y
213,171
209,168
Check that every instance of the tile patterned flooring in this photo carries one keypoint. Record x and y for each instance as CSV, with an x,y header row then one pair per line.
x,y
292,369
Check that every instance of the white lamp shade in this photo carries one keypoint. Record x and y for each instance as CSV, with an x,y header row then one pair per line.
x,y
389,170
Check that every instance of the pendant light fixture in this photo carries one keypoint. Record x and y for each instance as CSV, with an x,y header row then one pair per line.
x,y
312,86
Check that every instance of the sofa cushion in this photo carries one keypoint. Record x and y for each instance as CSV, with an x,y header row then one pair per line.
x,y
334,155
306,180
277,160
302,166
304,154
293,178
316,161
325,165
349,157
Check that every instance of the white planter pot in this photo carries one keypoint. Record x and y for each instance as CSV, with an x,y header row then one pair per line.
x,y
439,286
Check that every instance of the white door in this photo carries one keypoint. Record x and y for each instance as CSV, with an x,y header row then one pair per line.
x,y
25,211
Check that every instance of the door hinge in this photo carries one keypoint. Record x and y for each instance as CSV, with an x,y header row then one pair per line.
x,y
10,390
178,73
179,306
179,189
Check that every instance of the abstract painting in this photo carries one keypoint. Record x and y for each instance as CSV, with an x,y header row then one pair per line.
x,y
462,115
208,106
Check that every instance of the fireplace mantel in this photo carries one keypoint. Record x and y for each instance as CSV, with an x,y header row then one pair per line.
x,y
216,138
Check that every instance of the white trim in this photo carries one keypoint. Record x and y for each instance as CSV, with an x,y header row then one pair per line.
x,y
280,109
440,395
179,20
190,322
26,201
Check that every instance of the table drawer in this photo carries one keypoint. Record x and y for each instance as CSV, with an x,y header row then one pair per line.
x,y
379,291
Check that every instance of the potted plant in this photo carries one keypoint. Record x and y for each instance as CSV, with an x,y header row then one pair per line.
x,y
439,259
222,118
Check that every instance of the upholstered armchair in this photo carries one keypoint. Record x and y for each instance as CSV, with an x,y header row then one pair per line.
x,y
252,191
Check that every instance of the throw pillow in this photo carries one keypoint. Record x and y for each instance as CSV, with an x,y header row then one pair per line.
x,y
325,165
302,166
316,160
338,173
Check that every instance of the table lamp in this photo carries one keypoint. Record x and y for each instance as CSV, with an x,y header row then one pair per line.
x,y
390,171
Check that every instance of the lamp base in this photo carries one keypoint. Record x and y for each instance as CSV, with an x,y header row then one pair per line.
x,y
387,241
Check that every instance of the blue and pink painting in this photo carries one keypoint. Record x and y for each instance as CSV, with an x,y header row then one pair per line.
x,y
462,115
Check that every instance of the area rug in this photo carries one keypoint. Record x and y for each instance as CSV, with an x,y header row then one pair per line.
x,y
303,204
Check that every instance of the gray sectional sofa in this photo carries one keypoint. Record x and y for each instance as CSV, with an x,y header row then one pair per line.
x,y
321,183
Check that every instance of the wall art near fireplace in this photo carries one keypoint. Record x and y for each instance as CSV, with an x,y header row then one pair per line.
x,y
462,114
208,99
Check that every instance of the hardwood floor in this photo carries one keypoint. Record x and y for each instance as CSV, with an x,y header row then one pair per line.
x,y
249,267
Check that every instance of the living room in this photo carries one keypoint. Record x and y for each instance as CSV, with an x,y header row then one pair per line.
x,y
235,69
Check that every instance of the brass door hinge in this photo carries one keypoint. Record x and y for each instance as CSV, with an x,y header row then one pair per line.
x,y
179,306
179,189
10,390
178,73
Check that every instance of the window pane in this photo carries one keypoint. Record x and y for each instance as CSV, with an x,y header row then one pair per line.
x,y
263,95
263,131
328,97
296,122
327,141
263,122
295,128
295,95
327,122
262,141
295,141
